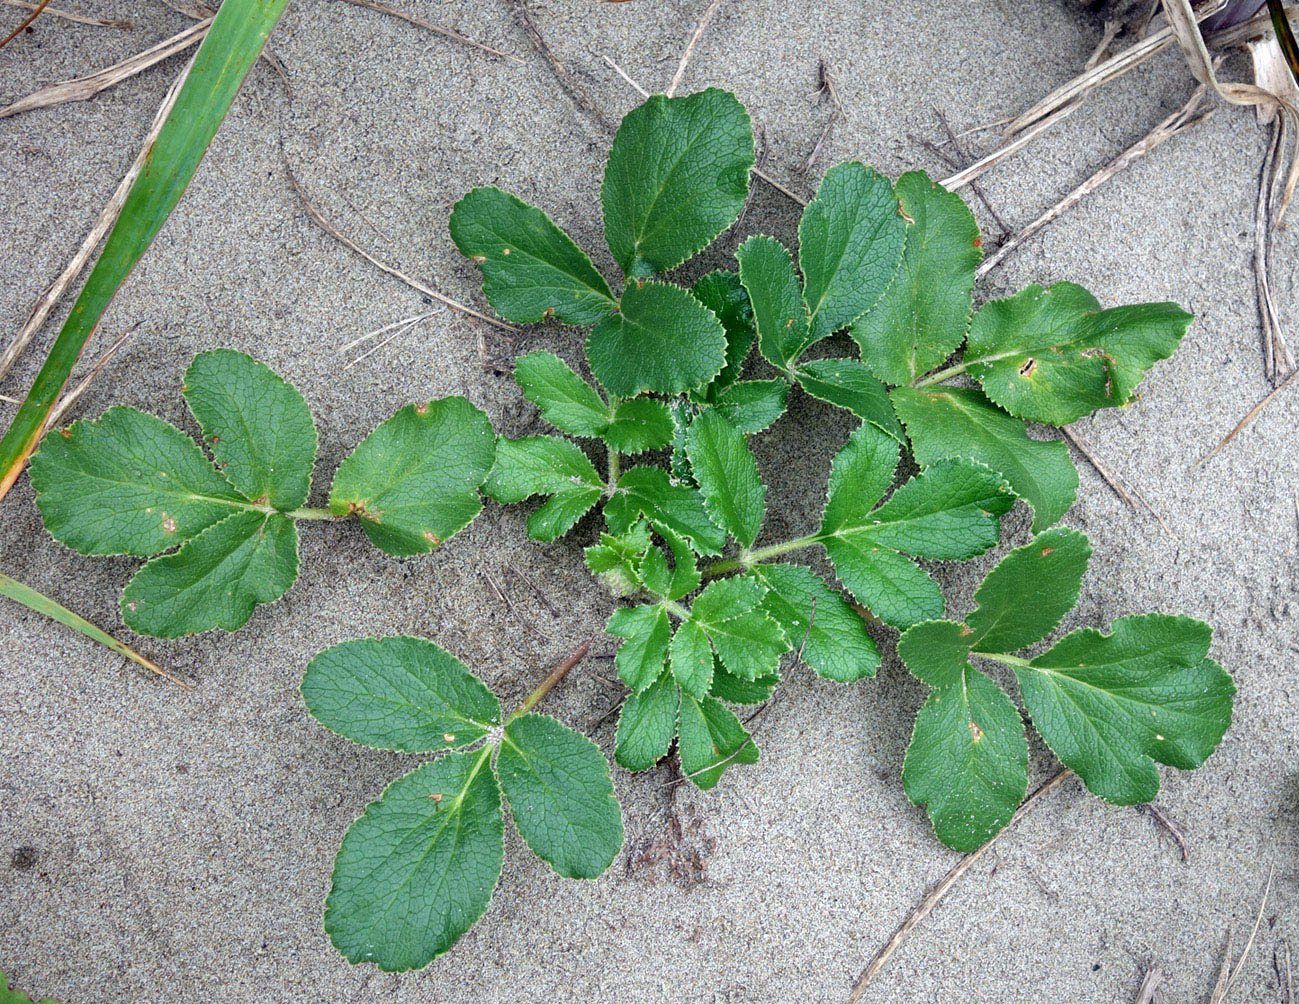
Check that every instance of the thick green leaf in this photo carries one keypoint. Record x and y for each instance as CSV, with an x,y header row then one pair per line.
x,y
647,633
566,401
257,426
860,475
662,340
710,739
418,868
850,241
947,422
729,687
727,476
936,652
532,270
848,384
752,405
678,507
128,483
398,693
1111,706
817,619
779,313
748,641
722,293
1053,355
545,465
647,725
923,317
677,176
724,599
561,796
691,659
414,481
968,761
216,579
638,425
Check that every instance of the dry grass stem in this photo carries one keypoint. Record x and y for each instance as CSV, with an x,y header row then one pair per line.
x,y
1249,417
1146,994
825,87
419,22
1173,830
69,16
566,80
686,56
1247,31
1107,474
984,164
1276,353
35,13
70,398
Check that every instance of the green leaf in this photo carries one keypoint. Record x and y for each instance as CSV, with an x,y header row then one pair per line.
x,y
710,739
691,659
257,426
679,507
12,995
418,868
638,425
722,293
677,176
616,559
647,725
936,652
1111,706
398,693
729,687
959,422
663,340
685,571
846,383
923,317
545,465
127,483
561,796
968,761
216,579
747,640
724,599
414,481
752,405
727,476
850,241
779,313
1053,355
641,656
566,401
837,644
531,268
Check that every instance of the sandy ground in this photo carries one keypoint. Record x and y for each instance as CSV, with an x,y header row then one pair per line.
x,y
177,845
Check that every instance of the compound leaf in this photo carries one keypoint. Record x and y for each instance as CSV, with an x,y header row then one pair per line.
x,y
831,634
691,659
847,383
945,422
662,340
710,739
642,654
414,481
722,293
779,313
531,268
545,465
749,645
752,405
566,401
418,868
677,176
398,693
561,795
727,476
727,598
850,241
923,316
647,725
638,425
680,508
729,687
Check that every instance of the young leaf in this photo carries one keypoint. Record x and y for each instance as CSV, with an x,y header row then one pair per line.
x,y
257,426
923,316
216,579
779,313
641,656
417,869
616,559
1053,355
647,725
561,796
752,405
531,268
846,383
638,425
831,633
414,481
947,422
727,476
663,340
677,176
722,293
545,465
566,401
398,693
678,507
710,739
691,659
850,241
685,569
729,687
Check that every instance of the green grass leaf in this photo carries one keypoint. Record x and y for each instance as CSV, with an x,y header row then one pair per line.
x,y
638,425
710,739
677,176
945,422
752,405
847,383
646,633
532,270
545,465
663,340
561,796
837,645
923,316
418,869
414,481
566,401
722,293
647,725
680,508
727,476
216,579
850,241
256,425
398,693
779,313
691,659
1053,355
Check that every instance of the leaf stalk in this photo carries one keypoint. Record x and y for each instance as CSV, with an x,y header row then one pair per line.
x,y
551,680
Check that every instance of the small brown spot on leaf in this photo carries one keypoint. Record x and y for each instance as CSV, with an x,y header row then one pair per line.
x,y
65,433
216,439
436,796
789,323
449,737
1028,368
966,630
168,524
903,213
976,733
421,409
433,539
478,259
978,242
505,250
1047,550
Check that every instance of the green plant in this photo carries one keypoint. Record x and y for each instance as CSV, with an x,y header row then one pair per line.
x,y
130,483
418,868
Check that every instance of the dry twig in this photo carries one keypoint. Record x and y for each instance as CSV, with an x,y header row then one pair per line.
x,y
36,12
566,81
1149,985
690,46
1175,831
420,22
825,86
70,398
1249,417
69,15
1275,350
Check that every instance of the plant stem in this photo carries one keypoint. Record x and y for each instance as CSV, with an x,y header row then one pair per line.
x,y
42,604
310,514
1009,660
548,684
615,468
748,559
940,375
